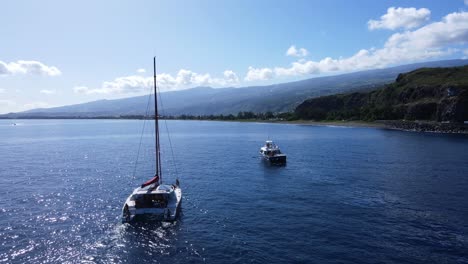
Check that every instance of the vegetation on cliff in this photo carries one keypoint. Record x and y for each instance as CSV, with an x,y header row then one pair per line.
x,y
436,94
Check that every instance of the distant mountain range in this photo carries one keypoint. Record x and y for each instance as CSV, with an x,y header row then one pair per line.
x,y
206,100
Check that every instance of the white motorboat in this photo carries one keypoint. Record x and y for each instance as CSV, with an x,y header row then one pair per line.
x,y
153,197
272,153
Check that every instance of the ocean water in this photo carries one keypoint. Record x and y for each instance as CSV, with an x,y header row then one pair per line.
x,y
346,195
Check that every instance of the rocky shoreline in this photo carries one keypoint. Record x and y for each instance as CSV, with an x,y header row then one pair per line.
x,y
426,126
403,125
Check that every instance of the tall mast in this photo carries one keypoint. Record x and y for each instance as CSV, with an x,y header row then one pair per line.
x,y
156,126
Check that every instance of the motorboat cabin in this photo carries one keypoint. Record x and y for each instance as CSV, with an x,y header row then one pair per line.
x,y
272,153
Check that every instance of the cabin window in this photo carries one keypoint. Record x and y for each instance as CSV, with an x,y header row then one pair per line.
x,y
150,200
159,202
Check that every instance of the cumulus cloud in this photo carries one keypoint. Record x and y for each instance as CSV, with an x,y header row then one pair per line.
x,y
33,105
81,89
465,53
166,82
259,74
28,67
45,91
401,18
231,77
141,70
293,51
431,41
187,78
121,85
7,103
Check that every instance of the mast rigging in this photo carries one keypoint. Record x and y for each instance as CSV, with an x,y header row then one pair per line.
x,y
156,126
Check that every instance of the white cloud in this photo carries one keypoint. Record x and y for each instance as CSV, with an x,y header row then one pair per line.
x,y
434,40
7,103
166,82
28,67
36,105
187,78
2,90
141,70
81,89
401,18
292,51
431,41
260,74
128,84
45,91
465,53
231,77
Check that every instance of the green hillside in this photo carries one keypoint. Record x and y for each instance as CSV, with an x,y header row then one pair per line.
x,y
436,94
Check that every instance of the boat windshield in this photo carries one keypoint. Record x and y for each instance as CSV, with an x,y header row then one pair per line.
x,y
273,152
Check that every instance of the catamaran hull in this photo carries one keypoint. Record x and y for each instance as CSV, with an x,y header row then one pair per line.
x,y
166,214
163,214
169,213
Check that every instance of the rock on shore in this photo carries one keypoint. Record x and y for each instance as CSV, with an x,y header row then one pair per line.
x,y
426,126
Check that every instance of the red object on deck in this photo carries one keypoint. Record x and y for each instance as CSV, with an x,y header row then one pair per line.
x,y
151,181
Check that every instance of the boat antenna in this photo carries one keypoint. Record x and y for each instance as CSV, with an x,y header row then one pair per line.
x,y
156,125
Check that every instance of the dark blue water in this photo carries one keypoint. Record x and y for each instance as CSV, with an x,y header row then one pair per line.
x,y
347,195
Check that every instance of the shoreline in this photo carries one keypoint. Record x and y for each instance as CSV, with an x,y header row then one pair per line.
x,y
401,125
334,123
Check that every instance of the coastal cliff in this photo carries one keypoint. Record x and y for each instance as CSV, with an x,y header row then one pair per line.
x,y
435,95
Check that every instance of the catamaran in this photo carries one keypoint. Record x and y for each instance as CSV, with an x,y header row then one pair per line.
x,y
153,197
272,153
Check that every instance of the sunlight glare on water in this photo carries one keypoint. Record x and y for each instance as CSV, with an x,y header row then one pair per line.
x,y
347,195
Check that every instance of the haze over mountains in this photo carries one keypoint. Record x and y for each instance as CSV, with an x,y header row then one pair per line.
x,y
207,101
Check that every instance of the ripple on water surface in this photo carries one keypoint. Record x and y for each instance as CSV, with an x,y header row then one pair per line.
x,y
354,195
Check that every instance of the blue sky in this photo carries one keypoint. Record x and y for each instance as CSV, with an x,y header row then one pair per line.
x,y
56,53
